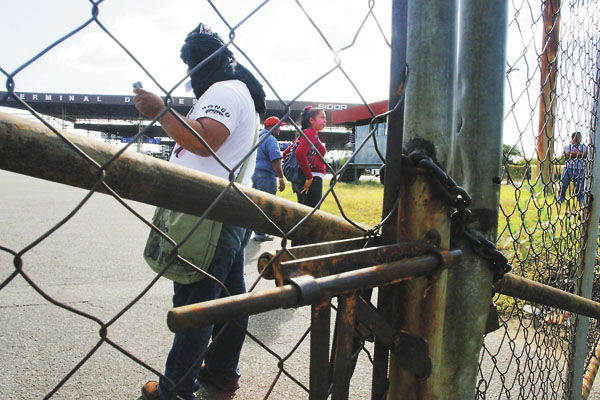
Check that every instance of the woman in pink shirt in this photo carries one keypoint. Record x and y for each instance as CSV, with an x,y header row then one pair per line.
x,y
312,121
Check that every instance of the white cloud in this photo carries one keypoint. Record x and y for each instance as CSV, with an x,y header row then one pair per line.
x,y
278,38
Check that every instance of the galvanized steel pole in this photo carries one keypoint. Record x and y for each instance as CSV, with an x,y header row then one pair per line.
x,y
480,115
431,57
420,304
584,286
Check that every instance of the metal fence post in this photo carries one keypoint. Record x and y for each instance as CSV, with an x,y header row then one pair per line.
x,y
393,179
480,114
547,110
584,287
431,58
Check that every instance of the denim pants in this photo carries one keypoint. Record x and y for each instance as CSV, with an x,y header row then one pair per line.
x,y
221,358
266,182
575,175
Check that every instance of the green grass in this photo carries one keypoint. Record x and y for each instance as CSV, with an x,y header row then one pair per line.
x,y
524,214
539,238
533,228
361,202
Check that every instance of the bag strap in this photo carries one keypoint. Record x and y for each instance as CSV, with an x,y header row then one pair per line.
x,y
297,142
240,177
302,137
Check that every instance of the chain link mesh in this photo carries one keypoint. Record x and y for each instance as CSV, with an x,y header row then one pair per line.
x,y
282,366
531,355
552,66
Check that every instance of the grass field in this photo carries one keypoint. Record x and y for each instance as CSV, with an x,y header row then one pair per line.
x,y
361,202
540,238
532,227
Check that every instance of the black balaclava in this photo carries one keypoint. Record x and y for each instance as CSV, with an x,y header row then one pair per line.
x,y
200,44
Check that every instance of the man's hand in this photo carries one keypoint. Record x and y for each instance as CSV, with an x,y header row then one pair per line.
x,y
148,103
276,165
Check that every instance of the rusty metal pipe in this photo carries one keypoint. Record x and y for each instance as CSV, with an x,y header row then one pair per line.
x,y
33,149
192,316
320,328
342,360
311,250
331,264
526,289
590,373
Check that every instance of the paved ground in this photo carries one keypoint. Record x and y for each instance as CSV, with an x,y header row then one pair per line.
x,y
93,264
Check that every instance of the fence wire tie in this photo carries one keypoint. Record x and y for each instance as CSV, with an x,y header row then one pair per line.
x,y
418,162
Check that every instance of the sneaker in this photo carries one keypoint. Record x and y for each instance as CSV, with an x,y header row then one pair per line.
x,y
263,238
220,382
150,391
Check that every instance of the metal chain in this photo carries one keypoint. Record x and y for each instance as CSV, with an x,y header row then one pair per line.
x,y
419,162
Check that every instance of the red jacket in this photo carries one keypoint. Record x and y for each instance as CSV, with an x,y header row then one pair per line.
x,y
308,161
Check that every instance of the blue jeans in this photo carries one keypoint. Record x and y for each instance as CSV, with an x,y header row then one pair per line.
x,y
575,175
221,358
266,182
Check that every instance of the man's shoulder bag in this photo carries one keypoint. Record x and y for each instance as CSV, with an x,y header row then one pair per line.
x,y
199,248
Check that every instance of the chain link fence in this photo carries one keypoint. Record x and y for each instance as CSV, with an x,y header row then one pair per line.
x,y
552,82
530,356
282,372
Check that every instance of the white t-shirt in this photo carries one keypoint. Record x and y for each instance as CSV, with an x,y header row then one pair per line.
x,y
230,103
578,162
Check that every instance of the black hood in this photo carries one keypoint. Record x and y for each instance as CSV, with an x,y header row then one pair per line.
x,y
202,43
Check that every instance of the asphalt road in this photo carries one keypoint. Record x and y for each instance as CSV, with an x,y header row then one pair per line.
x,y
93,265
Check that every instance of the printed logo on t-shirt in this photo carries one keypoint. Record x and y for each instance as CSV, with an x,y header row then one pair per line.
x,y
216,109
178,150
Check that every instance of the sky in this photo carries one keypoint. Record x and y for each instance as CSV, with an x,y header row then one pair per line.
x,y
277,37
